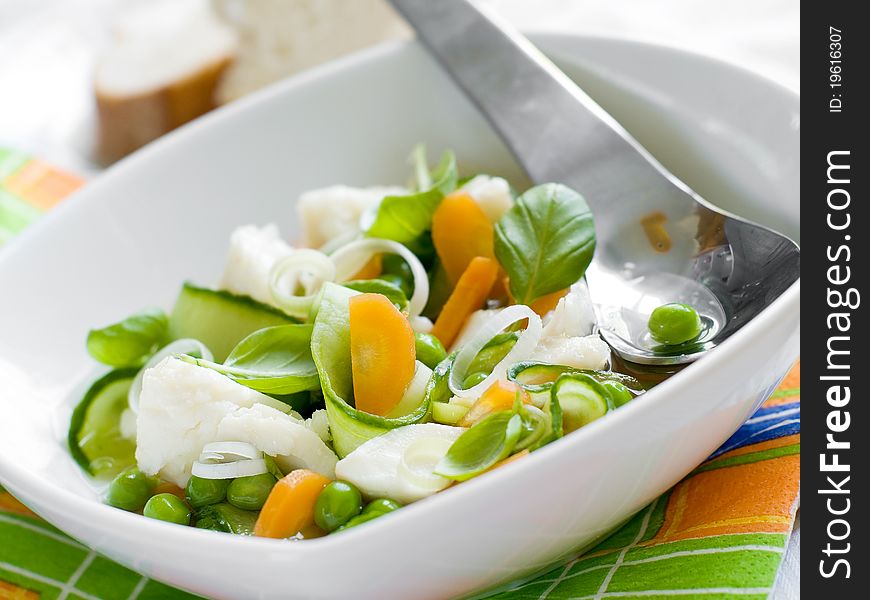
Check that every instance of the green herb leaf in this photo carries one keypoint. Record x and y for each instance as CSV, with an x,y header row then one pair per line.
x,y
405,218
378,286
275,360
131,341
482,446
545,241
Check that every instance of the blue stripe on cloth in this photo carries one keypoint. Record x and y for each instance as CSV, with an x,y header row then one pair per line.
x,y
766,424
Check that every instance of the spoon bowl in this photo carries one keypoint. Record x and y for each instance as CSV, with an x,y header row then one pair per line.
x,y
657,240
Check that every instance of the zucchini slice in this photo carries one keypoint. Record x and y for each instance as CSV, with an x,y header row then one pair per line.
x,y
581,400
220,319
95,439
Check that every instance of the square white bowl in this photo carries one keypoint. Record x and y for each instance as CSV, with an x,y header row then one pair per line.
x,y
131,237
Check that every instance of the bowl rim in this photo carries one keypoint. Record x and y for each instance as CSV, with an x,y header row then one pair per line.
x,y
90,511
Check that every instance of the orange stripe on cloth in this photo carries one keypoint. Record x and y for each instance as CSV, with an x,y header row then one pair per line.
x,y
793,379
42,185
11,504
10,591
749,498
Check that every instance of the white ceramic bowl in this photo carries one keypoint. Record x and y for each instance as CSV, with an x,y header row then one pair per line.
x,y
131,237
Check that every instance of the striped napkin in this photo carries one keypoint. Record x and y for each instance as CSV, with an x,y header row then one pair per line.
x,y
29,188
719,534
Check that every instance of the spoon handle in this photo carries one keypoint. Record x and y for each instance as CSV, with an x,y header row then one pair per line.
x,y
553,128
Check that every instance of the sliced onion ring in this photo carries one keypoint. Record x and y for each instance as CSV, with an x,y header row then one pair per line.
x,y
419,460
523,348
297,263
239,468
229,451
351,258
182,346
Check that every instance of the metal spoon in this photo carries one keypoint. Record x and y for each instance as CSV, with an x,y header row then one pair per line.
x,y
658,241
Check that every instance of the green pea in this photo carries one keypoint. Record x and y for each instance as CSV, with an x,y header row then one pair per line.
x,y
473,379
169,508
337,504
430,350
250,493
381,506
130,490
619,394
674,323
202,492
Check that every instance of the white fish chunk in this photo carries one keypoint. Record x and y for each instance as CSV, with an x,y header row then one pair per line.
x,y
183,407
253,252
376,467
334,212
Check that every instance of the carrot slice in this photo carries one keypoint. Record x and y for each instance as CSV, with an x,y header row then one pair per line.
x,y
382,353
289,508
545,304
500,396
371,269
541,305
469,294
461,231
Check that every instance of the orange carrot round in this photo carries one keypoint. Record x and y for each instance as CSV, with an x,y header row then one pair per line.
x,y
382,350
470,292
461,231
289,508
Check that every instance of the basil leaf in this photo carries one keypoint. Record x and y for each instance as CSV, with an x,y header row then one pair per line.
x,y
378,286
482,446
545,241
275,360
405,218
132,341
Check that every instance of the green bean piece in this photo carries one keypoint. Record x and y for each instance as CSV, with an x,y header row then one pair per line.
x,y
202,492
337,504
675,323
473,379
130,490
430,350
381,506
169,508
250,493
